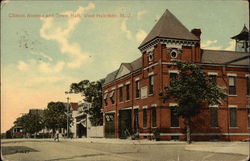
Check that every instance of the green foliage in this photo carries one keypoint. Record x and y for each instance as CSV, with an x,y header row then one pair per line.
x,y
192,89
31,123
92,93
55,116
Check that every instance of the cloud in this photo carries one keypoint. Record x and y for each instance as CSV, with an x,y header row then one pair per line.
x,y
22,66
42,55
140,35
47,79
231,46
124,29
212,45
55,31
140,14
41,66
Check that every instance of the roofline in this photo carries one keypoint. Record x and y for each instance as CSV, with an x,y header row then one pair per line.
x,y
225,51
159,38
122,77
217,64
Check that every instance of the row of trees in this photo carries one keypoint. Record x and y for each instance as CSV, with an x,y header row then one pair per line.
x,y
52,118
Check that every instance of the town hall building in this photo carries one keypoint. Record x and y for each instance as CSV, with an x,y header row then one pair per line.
x,y
131,101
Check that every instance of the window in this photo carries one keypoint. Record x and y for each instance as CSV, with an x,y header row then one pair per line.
x,y
105,98
214,116
144,117
232,85
248,116
137,89
151,84
248,91
173,54
174,118
120,94
112,97
136,120
153,116
233,117
150,56
127,92
172,76
213,78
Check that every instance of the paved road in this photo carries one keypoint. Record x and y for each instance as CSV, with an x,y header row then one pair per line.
x,y
47,150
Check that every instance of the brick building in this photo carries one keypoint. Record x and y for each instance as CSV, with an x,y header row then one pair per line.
x,y
131,101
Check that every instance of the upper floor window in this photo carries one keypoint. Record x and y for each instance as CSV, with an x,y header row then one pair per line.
x,y
127,92
105,98
112,97
174,54
150,56
151,84
172,76
137,89
213,78
232,85
120,94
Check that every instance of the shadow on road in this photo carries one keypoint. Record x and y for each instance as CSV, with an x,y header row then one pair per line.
x,y
8,150
88,155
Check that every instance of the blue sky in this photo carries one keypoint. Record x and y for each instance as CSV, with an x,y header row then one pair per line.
x,y
41,57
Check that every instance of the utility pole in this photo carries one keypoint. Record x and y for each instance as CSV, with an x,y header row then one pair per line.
x,y
68,118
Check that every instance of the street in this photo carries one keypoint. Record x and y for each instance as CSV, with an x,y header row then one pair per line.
x,y
72,150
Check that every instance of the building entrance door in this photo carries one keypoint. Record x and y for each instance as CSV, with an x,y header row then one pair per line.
x,y
125,123
110,125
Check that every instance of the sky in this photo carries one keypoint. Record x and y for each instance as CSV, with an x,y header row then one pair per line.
x,y
47,45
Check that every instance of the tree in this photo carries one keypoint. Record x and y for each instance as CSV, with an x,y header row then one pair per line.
x,y
192,90
92,93
31,123
55,116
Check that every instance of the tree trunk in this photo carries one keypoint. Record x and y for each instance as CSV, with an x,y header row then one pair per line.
x,y
187,120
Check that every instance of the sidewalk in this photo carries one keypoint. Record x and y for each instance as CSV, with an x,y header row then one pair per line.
x,y
215,147
124,141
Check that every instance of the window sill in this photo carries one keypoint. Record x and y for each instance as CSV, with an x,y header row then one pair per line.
x,y
233,127
137,98
150,95
232,95
174,127
127,100
214,127
120,102
154,127
145,128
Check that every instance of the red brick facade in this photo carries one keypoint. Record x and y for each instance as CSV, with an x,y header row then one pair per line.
x,y
159,67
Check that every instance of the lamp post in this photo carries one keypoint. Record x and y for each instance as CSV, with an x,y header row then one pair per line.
x,y
68,117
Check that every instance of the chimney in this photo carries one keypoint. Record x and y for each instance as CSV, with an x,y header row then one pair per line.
x,y
196,32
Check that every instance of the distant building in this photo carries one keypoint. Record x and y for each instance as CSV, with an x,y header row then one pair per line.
x,y
131,101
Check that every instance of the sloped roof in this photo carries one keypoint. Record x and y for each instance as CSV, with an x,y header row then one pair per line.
x,y
133,66
168,26
243,35
221,57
